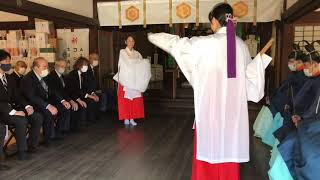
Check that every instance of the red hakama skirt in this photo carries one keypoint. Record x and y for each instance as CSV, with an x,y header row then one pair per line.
x,y
129,109
202,170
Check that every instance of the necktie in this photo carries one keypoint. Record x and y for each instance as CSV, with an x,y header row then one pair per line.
x,y
4,82
62,81
44,85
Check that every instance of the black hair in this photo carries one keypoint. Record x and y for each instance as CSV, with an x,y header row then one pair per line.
x,y
296,55
4,55
80,62
312,56
219,12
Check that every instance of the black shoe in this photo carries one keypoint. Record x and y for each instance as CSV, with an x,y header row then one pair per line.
x,y
46,144
23,156
4,167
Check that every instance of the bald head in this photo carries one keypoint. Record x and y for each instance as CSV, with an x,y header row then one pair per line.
x,y
40,66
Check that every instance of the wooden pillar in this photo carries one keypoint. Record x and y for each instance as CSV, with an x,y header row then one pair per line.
x,y
287,39
93,34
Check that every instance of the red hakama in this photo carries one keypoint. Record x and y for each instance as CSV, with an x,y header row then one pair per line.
x,y
129,109
202,170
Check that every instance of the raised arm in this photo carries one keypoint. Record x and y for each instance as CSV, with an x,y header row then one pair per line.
x,y
182,49
255,76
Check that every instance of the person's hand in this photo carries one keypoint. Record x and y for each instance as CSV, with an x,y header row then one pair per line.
x,y
286,108
96,98
82,103
296,119
20,113
66,104
74,105
30,110
53,110
268,100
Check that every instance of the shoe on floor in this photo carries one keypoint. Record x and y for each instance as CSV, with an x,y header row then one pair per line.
x,y
126,122
133,123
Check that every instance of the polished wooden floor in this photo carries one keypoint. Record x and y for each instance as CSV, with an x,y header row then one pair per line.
x,y
159,148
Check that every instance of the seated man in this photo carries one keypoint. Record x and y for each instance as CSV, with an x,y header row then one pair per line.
x,y
78,90
57,81
14,110
2,157
91,78
18,72
36,89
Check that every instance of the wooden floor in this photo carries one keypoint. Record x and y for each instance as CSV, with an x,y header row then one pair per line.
x,y
160,148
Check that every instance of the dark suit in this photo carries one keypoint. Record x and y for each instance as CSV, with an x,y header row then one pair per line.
x,y
39,98
75,92
59,87
91,78
16,78
2,136
11,99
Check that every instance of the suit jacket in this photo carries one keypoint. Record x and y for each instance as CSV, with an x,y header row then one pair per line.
x,y
16,78
11,98
55,82
90,79
73,86
34,92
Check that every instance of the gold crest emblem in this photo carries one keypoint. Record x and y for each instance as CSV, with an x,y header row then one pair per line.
x,y
183,10
240,9
132,13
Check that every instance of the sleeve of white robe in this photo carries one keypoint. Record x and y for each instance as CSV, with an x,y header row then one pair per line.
x,y
255,77
181,49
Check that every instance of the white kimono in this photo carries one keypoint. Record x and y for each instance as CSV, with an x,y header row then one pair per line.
x,y
221,110
134,73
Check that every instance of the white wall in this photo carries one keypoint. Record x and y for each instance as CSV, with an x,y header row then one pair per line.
x,y
81,7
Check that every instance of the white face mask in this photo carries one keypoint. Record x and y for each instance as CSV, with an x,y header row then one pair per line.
x,y
84,69
44,73
95,63
21,71
292,67
61,70
307,72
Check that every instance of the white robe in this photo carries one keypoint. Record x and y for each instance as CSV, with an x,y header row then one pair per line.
x,y
221,110
134,73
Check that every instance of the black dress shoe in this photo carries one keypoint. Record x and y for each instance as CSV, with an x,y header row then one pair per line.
x,y
23,156
4,167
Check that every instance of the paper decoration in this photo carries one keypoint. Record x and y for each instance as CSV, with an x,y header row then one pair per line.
x,y
180,11
73,45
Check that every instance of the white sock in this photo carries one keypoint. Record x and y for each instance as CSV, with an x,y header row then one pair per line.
x,y
132,122
126,121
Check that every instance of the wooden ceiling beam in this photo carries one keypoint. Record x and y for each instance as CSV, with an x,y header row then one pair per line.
x,y
36,10
300,9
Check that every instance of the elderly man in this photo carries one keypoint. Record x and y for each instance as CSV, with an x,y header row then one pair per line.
x,y
36,89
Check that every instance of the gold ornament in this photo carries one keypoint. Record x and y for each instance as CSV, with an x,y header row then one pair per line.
x,y
183,10
132,13
240,9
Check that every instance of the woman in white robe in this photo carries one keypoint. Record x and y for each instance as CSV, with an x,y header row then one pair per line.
x,y
133,77
221,91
